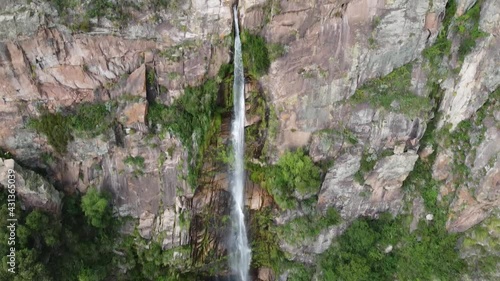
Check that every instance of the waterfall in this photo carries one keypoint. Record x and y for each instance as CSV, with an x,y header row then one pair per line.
x,y
240,252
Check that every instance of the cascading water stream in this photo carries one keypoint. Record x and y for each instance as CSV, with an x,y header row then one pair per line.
x,y
240,252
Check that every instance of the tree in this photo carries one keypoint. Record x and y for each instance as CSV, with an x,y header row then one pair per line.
x,y
96,208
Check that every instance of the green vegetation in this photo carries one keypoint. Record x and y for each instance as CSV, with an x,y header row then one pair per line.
x,y
113,10
275,51
83,25
484,242
61,248
92,119
87,120
137,161
5,154
96,208
367,164
255,54
442,46
293,173
84,243
359,252
265,237
264,242
298,271
56,127
466,136
193,117
302,228
392,89
420,180
467,27
271,8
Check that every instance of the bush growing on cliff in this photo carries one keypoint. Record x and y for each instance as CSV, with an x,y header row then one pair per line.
x,y
87,119
91,118
255,54
467,27
309,226
442,46
56,127
294,172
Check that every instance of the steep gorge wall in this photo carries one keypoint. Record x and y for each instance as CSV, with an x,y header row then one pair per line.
x,y
333,48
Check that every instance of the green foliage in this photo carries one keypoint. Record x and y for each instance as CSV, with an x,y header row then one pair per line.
x,y
69,247
366,165
305,227
56,127
192,118
91,118
137,161
467,27
264,242
96,208
442,46
270,9
58,248
462,141
100,8
394,87
359,252
83,25
87,120
293,173
275,51
484,241
299,272
296,171
5,154
255,54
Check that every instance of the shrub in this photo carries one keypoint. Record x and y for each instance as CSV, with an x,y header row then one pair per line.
x,y
467,27
296,171
293,174
88,119
96,208
255,54
92,118
56,127
137,161
442,46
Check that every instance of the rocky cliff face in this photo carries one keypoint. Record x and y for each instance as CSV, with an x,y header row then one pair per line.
x,y
33,190
47,65
332,92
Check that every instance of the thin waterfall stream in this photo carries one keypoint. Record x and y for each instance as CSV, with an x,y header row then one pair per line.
x,y
240,253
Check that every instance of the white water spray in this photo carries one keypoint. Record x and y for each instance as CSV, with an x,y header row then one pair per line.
x,y
240,252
